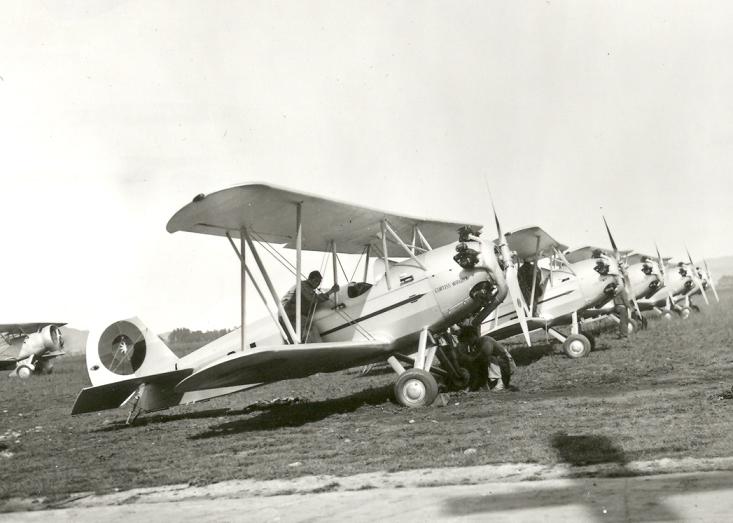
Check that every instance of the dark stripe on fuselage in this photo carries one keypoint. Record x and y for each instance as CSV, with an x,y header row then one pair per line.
x,y
543,301
411,299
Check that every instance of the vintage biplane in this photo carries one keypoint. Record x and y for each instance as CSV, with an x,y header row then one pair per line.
x,y
546,290
555,289
641,277
30,348
447,274
677,283
701,281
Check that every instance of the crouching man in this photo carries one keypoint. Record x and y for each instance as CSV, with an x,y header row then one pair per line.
x,y
488,361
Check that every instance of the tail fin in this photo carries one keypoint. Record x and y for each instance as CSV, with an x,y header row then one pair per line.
x,y
126,349
124,359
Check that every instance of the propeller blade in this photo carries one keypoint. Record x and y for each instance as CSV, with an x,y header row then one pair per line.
x,y
661,261
610,237
515,294
695,278
710,279
493,209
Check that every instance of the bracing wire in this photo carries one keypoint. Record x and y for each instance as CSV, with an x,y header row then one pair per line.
x,y
363,252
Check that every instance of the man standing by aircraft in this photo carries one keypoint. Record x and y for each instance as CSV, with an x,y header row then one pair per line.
x,y
309,299
622,305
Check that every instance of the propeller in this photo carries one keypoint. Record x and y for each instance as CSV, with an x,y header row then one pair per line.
x,y
696,278
710,279
622,270
663,271
512,281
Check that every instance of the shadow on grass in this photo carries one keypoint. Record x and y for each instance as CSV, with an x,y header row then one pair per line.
x,y
587,449
164,418
524,356
279,416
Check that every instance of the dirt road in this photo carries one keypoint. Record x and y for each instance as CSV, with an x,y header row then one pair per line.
x,y
504,493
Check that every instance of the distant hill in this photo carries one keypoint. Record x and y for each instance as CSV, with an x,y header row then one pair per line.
x,y
75,341
720,267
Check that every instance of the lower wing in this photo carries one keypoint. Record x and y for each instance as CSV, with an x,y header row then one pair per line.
x,y
283,362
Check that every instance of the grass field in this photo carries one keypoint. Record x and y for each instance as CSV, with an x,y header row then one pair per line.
x,y
665,393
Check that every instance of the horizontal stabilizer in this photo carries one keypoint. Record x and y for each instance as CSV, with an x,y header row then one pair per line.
x,y
112,395
269,364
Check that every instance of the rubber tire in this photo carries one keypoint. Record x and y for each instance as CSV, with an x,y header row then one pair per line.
x,y
24,372
576,346
666,315
685,313
415,388
591,339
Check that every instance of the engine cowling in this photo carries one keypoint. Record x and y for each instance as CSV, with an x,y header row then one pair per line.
x,y
48,339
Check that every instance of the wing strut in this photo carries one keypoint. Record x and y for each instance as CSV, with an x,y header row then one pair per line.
x,y
243,293
409,252
334,262
298,262
384,253
422,239
534,276
271,288
257,287
366,262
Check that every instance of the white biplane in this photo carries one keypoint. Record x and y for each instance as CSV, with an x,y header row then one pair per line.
x,y
30,348
555,289
678,283
448,274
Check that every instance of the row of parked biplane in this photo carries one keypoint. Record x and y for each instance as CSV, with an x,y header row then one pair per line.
x,y
428,276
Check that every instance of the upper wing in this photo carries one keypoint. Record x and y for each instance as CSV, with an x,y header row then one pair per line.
x,y
270,213
282,362
532,243
27,328
585,253
637,257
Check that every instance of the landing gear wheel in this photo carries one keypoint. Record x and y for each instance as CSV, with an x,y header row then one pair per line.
x,y
591,339
24,372
576,346
415,388
666,315
685,313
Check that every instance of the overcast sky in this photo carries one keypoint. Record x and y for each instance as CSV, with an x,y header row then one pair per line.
x,y
113,115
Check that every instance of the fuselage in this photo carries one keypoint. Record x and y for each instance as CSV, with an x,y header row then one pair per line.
x,y
677,280
395,308
563,291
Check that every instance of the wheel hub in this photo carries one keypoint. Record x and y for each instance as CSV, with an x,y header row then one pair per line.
x,y
576,346
415,390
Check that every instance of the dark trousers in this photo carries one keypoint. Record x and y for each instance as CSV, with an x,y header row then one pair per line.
x,y
623,315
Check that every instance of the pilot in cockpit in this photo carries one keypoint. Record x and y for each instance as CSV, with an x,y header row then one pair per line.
x,y
309,299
